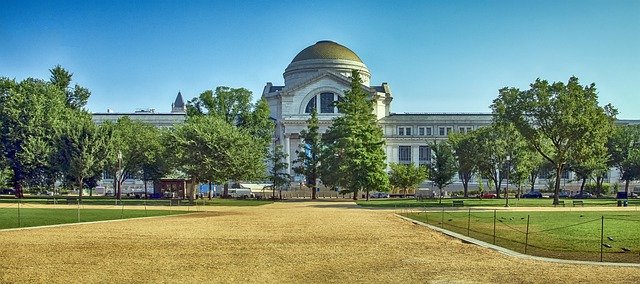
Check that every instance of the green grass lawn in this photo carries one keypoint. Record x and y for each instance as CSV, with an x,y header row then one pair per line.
x,y
565,235
523,202
10,217
149,202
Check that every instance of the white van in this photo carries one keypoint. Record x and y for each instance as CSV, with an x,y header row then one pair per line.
x,y
240,193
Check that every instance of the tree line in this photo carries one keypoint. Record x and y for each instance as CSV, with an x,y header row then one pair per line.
x,y
48,136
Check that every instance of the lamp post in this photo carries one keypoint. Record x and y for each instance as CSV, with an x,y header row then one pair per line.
x,y
506,190
117,177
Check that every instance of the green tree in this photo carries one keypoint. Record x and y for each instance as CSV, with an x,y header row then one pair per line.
x,y
76,97
443,166
150,154
308,160
465,151
624,152
493,151
277,174
80,144
563,122
356,135
406,177
208,148
31,113
233,105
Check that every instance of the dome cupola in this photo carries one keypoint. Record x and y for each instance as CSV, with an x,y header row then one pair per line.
x,y
324,55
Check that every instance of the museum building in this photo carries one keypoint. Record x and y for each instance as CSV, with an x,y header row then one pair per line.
x,y
316,78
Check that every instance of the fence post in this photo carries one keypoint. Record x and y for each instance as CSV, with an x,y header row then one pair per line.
x,y
494,226
442,218
145,208
469,223
601,237
122,211
526,239
79,209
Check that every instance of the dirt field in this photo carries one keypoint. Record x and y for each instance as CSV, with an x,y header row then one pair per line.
x,y
293,242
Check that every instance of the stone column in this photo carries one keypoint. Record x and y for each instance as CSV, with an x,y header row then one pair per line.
x,y
287,149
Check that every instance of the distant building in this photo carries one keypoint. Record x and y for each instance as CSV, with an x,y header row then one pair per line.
x,y
316,78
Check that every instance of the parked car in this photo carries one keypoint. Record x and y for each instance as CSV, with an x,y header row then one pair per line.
x,y
488,195
563,194
8,191
532,194
582,195
379,195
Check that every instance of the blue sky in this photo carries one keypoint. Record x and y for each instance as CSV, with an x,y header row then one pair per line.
x,y
437,56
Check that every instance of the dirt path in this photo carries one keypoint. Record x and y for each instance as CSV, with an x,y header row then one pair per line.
x,y
298,242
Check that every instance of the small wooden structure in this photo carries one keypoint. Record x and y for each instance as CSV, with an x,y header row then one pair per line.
x,y
174,188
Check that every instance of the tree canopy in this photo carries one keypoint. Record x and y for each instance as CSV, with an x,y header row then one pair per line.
x,y
355,135
562,122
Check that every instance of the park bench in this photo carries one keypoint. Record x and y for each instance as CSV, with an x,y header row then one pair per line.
x,y
578,202
457,203
560,202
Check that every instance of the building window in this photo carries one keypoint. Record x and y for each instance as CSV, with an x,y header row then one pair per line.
x,y
404,130
428,131
441,131
449,129
311,105
465,129
421,131
424,155
404,154
326,103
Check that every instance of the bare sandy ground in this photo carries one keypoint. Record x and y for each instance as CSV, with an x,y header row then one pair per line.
x,y
292,242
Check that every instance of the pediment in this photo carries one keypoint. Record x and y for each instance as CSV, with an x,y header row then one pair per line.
x,y
324,74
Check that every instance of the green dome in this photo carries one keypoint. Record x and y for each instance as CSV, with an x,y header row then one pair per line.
x,y
326,49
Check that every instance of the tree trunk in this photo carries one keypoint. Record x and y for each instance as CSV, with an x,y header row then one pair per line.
x,y
280,193
145,189
115,187
225,191
465,185
80,191
355,195
626,187
556,197
584,181
532,180
19,190
210,190
313,192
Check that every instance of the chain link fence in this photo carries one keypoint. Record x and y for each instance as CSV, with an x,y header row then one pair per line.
x,y
611,236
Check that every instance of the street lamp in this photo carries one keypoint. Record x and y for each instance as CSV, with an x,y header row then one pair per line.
x,y
117,177
506,190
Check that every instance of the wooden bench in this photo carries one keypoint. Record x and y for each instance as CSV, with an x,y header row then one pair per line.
x,y
560,202
457,203
578,202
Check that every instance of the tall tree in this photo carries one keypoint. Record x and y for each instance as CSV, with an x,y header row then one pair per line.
x,y
277,173
406,177
356,135
308,160
465,151
30,115
624,152
80,144
443,166
492,146
77,96
233,105
563,122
